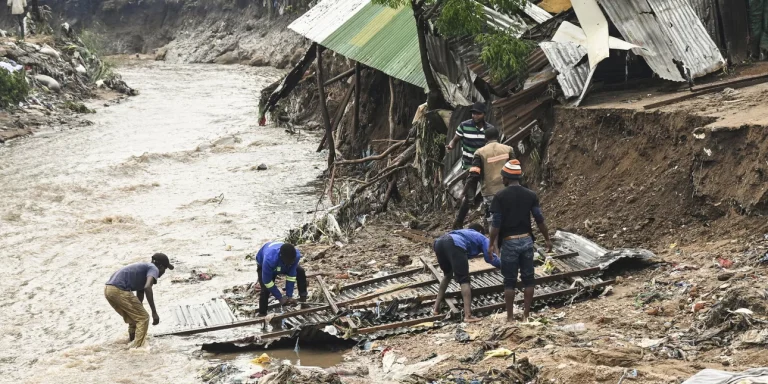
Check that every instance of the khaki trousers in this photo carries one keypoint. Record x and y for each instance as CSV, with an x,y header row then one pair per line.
x,y
128,306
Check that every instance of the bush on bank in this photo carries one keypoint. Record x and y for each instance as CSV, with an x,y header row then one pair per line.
x,y
13,88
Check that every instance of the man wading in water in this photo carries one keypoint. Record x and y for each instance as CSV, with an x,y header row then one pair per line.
x,y
512,208
453,251
137,277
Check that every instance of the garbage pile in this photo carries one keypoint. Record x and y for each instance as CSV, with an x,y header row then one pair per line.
x,y
60,72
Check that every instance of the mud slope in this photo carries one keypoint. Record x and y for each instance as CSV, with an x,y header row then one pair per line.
x,y
636,178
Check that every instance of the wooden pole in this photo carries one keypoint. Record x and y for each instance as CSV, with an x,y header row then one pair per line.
x,y
342,76
324,108
356,117
340,114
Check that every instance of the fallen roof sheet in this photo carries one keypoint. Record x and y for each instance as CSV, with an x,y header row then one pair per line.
x,y
671,31
564,58
714,376
591,254
536,13
377,36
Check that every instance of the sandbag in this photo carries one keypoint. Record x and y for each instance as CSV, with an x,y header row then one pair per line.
x,y
49,82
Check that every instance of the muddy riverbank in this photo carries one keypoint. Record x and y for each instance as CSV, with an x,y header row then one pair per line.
x,y
172,170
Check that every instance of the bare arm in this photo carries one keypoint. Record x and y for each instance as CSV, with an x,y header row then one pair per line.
x,y
453,142
151,299
494,241
539,217
140,295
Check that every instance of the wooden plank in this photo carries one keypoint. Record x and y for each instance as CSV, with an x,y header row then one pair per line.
x,y
407,323
737,83
341,76
415,237
327,294
356,116
569,291
379,279
432,268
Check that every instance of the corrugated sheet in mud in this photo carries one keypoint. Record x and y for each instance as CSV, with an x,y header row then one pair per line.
x,y
564,57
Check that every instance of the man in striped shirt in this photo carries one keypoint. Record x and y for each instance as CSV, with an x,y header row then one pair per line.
x,y
472,135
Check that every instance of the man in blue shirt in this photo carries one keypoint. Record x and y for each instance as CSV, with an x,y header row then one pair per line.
x,y
276,258
137,278
453,252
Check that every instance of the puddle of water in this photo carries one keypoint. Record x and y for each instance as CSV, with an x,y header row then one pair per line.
x,y
306,357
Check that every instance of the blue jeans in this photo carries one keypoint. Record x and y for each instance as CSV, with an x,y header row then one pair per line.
x,y
517,256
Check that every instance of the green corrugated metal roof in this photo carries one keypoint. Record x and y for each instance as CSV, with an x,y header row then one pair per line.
x,y
382,38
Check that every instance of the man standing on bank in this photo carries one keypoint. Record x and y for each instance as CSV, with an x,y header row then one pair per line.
x,y
276,258
471,133
511,211
139,277
453,251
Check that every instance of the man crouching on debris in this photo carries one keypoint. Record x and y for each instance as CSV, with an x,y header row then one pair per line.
x,y
137,277
276,258
511,211
453,251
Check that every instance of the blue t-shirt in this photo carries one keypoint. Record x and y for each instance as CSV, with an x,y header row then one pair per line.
x,y
474,243
134,276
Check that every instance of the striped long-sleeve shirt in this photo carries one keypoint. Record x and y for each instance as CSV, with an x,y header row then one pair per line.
x,y
472,139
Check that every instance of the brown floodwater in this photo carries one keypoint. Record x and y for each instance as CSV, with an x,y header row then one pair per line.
x,y
148,176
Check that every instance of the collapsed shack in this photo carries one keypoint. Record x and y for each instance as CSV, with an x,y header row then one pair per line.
x,y
368,88
402,302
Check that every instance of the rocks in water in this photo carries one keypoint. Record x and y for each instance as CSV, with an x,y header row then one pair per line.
x,y
259,61
227,58
161,53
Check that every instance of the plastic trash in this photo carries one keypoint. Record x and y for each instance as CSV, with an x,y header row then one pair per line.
x,y
574,329
263,359
500,352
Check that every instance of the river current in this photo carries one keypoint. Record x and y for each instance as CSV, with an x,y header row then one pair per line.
x,y
172,170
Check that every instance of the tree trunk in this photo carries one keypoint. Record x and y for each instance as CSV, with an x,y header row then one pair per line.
x,y
356,117
391,108
324,107
435,98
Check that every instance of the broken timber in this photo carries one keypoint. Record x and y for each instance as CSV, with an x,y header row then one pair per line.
x,y
737,83
432,268
486,284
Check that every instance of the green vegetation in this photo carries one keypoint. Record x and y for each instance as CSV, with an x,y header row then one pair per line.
x,y
77,107
503,53
13,88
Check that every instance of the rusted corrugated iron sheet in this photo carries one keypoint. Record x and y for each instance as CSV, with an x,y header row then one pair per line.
x,y
706,10
523,107
671,31
565,57
734,18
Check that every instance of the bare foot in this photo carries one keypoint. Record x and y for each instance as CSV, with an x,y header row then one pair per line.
x,y
435,312
472,319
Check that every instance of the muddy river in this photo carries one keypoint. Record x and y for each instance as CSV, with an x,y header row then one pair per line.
x,y
172,170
